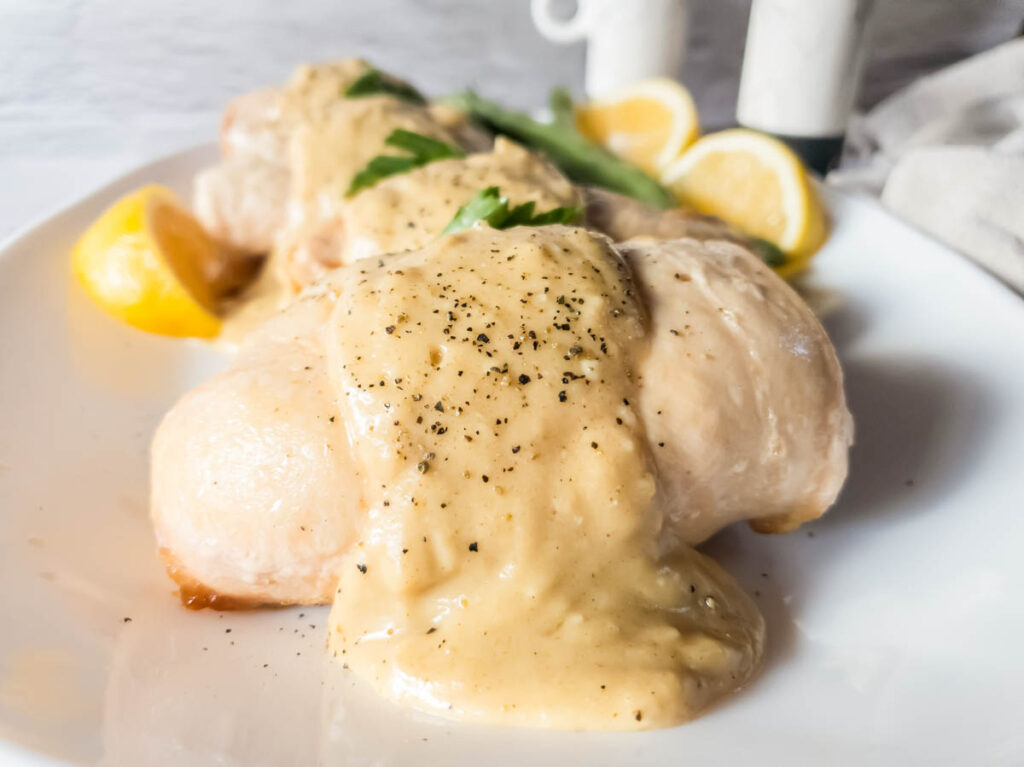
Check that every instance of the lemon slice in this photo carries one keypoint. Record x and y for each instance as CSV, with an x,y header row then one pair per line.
x,y
755,183
144,262
648,123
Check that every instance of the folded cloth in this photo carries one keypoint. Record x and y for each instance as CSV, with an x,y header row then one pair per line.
x,y
947,155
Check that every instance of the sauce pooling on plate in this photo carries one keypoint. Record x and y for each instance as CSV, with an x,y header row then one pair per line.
x,y
513,568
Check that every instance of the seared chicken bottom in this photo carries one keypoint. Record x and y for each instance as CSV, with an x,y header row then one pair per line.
x,y
255,496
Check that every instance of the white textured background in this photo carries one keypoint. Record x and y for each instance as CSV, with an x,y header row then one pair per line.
x,y
88,87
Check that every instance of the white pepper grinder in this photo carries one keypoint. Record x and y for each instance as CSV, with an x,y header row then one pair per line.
x,y
801,71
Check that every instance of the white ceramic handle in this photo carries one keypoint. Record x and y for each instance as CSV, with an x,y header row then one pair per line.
x,y
570,30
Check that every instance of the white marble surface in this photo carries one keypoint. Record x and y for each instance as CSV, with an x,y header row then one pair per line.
x,y
88,87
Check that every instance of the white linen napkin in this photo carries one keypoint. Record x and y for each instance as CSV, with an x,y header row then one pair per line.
x,y
947,155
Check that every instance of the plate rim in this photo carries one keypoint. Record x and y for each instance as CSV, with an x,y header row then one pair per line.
x,y
103,194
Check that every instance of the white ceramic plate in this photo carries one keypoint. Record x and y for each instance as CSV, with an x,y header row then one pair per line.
x,y
894,624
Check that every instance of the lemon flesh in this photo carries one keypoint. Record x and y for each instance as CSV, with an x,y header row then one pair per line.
x,y
143,261
755,183
648,123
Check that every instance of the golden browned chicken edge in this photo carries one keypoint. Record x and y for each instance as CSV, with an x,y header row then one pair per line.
x,y
196,595
780,524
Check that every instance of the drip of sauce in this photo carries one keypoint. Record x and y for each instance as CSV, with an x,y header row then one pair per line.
x,y
260,301
514,569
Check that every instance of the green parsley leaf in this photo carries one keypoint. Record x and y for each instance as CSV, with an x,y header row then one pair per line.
x,y
520,215
483,206
373,82
422,147
490,206
768,252
423,150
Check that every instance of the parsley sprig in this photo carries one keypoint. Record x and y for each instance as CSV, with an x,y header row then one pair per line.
x,y
489,205
768,252
373,82
422,150
576,156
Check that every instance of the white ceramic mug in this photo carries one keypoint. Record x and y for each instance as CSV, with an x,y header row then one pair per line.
x,y
627,40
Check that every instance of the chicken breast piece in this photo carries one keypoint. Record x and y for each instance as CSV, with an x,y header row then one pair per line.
x,y
241,202
741,391
254,498
623,218
261,123
409,210
304,142
254,495
252,126
329,148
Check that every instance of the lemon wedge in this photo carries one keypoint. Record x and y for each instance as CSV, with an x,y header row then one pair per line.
x,y
144,260
755,183
648,123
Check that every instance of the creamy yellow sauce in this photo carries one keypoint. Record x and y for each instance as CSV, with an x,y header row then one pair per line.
x,y
403,212
326,139
514,567
267,294
329,148
326,151
409,210
314,86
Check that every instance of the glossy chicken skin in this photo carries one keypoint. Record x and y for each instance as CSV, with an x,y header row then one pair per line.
x,y
741,391
255,498
242,200
289,153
